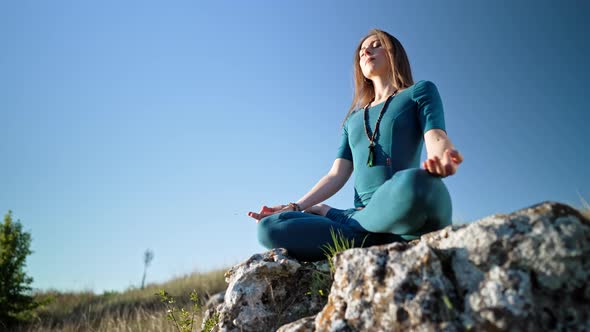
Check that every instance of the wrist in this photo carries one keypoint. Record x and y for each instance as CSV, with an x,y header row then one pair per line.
x,y
295,207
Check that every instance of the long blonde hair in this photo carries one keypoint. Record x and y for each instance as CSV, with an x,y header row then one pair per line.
x,y
399,67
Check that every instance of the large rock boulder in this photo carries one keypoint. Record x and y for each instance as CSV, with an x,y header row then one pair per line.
x,y
526,271
267,291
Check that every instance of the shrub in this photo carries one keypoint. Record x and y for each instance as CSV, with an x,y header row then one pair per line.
x,y
16,303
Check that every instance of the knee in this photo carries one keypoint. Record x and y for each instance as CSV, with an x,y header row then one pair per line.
x,y
423,189
417,177
413,182
267,230
264,231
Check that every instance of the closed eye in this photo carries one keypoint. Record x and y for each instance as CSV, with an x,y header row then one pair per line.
x,y
376,44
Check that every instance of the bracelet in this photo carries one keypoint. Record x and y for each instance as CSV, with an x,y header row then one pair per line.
x,y
295,206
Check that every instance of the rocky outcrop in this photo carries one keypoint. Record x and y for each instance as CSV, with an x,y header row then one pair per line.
x,y
526,271
267,291
393,288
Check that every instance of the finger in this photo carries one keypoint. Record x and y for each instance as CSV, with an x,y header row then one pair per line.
x,y
457,157
258,216
265,210
255,215
427,165
440,170
451,164
450,169
432,166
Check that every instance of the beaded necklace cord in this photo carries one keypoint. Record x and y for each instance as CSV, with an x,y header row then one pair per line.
x,y
367,128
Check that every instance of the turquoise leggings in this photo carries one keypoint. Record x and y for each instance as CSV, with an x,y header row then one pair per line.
x,y
410,204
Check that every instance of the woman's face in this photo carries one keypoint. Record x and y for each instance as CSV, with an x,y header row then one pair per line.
x,y
372,58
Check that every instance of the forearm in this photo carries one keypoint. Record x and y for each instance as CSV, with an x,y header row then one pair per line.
x,y
325,188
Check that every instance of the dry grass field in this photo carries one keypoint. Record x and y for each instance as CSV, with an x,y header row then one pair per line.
x,y
131,310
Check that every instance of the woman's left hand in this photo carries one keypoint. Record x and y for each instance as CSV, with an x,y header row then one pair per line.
x,y
446,166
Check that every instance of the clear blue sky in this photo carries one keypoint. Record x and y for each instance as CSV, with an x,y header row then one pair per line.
x,y
129,125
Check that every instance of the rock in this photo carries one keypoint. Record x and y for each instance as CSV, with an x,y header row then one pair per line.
x,y
525,271
210,308
267,291
215,300
306,324
390,288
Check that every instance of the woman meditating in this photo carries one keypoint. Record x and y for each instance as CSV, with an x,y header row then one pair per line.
x,y
382,139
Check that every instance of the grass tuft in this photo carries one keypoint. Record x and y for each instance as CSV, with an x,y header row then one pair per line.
x,y
340,243
321,282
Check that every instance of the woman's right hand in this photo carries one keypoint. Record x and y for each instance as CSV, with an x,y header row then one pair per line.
x,y
266,211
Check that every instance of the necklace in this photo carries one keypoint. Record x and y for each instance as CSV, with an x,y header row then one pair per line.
x,y
367,128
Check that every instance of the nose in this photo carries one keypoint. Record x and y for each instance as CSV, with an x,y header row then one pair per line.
x,y
366,51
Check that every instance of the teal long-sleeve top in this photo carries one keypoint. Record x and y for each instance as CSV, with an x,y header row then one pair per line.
x,y
399,141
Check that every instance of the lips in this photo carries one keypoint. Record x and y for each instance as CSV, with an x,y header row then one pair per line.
x,y
369,60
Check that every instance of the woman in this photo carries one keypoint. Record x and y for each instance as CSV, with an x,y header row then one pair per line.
x,y
383,134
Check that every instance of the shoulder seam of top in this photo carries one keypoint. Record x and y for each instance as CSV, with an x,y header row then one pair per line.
x,y
414,89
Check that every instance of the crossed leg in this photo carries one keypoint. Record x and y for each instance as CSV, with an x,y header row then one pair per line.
x,y
305,235
411,203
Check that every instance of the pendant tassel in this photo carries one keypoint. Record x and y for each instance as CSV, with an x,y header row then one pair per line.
x,y
371,155
371,159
